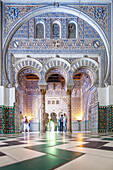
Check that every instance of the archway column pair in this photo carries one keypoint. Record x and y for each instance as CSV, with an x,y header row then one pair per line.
x,y
42,126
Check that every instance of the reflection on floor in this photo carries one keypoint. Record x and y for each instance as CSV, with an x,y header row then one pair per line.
x,y
76,151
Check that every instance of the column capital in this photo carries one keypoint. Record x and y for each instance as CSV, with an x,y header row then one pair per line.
x,y
43,91
69,91
42,88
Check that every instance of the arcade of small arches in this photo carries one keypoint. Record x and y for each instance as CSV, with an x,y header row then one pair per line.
x,y
67,69
45,91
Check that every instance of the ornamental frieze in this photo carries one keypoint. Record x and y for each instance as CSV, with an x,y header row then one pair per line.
x,y
56,44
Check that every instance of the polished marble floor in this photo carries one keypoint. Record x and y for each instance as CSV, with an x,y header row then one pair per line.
x,y
60,151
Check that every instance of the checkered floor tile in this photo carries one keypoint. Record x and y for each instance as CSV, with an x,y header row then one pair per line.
x,y
76,151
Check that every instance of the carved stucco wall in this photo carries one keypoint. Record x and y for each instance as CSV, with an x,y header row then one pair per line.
x,y
89,40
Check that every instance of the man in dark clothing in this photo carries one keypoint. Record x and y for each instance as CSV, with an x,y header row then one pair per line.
x,y
61,123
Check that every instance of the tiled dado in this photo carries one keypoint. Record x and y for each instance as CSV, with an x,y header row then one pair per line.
x,y
110,118
1,119
7,119
105,118
7,124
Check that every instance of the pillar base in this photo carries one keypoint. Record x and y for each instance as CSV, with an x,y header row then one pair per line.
x,y
69,132
42,132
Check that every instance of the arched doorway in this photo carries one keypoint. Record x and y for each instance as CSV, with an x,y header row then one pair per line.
x,y
84,100
28,97
55,95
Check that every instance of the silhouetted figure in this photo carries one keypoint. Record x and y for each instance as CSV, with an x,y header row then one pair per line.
x,y
65,122
61,123
26,125
59,126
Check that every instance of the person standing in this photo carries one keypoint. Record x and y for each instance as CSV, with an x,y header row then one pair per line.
x,y
59,126
61,123
26,124
21,122
65,122
29,125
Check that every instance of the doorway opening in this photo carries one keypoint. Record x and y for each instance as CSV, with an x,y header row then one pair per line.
x,y
55,96
28,98
84,101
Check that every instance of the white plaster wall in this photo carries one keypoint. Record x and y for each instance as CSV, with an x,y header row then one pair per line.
x,y
54,55
105,96
102,97
7,96
1,95
11,96
110,95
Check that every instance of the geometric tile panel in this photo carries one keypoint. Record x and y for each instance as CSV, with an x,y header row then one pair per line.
x,y
22,32
110,118
105,118
9,120
90,32
1,119
102,119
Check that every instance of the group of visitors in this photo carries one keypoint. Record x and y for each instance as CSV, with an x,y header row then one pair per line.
x,y
61,121
24,121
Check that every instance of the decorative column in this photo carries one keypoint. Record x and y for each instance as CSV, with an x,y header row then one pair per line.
x,y
69,127
70,86
42,127
42,85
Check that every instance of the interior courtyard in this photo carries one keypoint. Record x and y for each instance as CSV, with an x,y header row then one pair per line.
x,y
56,65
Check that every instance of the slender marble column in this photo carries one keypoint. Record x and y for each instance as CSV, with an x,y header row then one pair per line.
x,y
69,127
42,127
